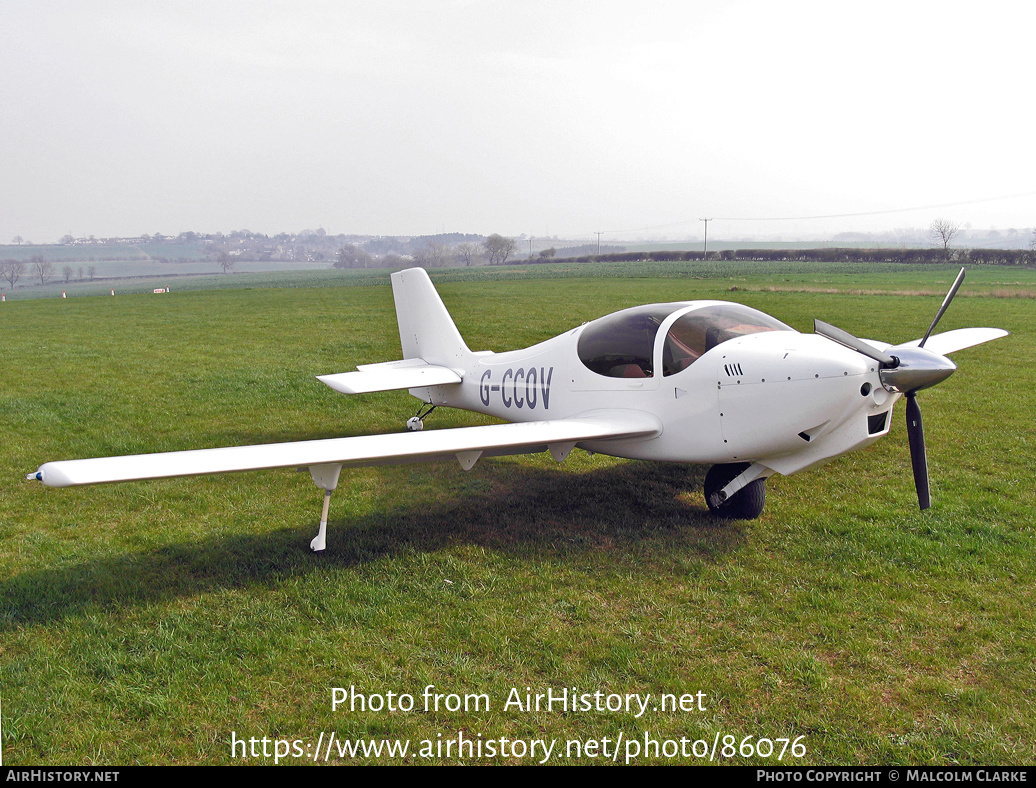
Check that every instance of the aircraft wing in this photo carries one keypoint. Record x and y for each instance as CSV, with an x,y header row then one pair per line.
x,y
390,376
958,339
465,444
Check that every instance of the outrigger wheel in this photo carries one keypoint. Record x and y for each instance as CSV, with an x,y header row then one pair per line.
x,y
746,504
416,423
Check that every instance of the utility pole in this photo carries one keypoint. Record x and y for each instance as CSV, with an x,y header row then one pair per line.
x,y
706,255
598,234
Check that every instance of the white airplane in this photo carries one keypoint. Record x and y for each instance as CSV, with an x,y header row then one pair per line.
x,y
707,382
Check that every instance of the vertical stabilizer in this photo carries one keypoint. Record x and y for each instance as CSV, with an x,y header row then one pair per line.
x,y
426,329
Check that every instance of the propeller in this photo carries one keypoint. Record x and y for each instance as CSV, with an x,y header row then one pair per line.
x,y
909,368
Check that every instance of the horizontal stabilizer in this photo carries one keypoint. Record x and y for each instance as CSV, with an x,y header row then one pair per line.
x,y
388,449
393,375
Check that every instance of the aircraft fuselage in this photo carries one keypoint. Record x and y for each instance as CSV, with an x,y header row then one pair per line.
x,y
787,399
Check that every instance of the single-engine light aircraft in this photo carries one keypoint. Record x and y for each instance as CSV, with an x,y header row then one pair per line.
x,y
707,382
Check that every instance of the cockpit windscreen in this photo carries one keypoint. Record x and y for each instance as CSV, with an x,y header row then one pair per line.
x,y
700,330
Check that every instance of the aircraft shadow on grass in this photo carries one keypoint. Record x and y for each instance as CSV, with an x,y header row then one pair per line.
x,y
502,507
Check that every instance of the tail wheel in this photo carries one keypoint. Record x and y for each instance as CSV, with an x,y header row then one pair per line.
x,y
746,504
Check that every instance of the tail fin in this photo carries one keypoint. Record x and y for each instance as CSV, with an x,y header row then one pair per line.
x,y
426,330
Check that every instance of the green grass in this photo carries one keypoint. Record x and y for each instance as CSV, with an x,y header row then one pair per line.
x,y
146,622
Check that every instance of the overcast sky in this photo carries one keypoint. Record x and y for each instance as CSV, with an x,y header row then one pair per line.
x,y
555,117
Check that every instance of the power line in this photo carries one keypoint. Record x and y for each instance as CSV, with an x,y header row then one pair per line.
x,y
823,216
870,213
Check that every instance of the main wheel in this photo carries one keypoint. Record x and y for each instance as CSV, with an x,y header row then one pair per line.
x,y
746,504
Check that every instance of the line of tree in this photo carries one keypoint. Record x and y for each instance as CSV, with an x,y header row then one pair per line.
x,y
440,251
38,267
1011,257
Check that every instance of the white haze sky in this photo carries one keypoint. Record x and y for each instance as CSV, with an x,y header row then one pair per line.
x,y
546,118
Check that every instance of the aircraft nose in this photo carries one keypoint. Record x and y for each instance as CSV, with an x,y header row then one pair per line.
x,y
917,369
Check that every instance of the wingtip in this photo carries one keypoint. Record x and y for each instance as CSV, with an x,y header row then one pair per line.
x,y
51,474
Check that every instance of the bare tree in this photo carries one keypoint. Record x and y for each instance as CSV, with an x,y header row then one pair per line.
x,y
43,268
943,231
226,262
351,256
12,270
434,255
498,248
92,271
467,253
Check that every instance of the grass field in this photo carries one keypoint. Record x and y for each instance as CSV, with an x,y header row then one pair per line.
x,y
128,279
158,622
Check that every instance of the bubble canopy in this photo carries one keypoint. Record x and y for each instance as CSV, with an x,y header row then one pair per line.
x,y
622,345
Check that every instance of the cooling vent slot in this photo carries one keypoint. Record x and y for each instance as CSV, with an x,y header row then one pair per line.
x,y
733,370
877,422
812,432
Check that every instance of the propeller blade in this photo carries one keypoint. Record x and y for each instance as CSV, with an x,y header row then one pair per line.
x,y
853,343
915,434
945,303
